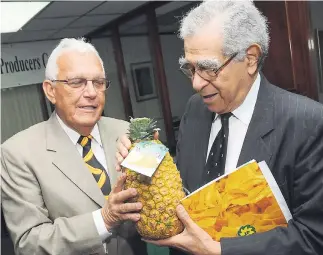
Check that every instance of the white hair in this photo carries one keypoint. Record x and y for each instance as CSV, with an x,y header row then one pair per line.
x,y
67,44
241,23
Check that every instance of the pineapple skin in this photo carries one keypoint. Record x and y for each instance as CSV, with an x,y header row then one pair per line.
x,y
160,197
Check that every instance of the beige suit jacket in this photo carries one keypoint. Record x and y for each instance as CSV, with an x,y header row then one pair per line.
x,y
48,194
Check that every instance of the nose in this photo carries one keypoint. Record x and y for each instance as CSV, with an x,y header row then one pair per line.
x,y
198,82
90,90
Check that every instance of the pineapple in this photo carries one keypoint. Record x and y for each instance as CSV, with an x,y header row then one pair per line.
x,y
159,194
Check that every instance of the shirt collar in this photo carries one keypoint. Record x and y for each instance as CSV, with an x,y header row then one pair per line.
x,y
245,110
74,136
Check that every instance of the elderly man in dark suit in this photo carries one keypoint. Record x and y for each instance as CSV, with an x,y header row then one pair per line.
x,y
236,116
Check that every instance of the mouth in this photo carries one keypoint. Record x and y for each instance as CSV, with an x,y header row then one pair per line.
x,y
207,97
88,107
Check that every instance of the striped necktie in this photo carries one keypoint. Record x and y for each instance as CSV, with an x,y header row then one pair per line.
x,y
94,165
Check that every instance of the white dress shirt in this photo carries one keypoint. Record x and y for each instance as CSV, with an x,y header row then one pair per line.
x,y
238,126
98,151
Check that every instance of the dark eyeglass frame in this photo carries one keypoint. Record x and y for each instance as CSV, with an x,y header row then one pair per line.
x,y
211,73
83,82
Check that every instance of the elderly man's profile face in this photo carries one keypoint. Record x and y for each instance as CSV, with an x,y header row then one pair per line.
x,y
79,109
227,90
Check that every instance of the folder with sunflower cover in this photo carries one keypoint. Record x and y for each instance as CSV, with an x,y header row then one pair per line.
x,y
243,202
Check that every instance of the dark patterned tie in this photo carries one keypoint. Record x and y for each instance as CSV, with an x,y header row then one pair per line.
x,y
215,164
94,165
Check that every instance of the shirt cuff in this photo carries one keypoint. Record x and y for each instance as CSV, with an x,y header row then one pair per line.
x,y
100,226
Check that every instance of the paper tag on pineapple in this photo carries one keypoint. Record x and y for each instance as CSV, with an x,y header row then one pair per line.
x,y
145,157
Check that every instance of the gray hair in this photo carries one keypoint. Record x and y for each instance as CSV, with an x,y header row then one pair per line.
x,y
241,22
67,44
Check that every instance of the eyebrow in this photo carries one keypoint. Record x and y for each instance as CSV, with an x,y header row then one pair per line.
x,y
203,64
68,76
208,63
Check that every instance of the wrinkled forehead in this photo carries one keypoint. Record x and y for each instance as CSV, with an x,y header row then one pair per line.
x,y
72,63
200,51
203,48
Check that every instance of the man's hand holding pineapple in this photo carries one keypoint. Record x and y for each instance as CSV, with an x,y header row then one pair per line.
x,y
163,221
116,209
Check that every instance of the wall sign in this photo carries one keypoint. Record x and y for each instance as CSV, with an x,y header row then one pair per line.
x,y
17,64
24,63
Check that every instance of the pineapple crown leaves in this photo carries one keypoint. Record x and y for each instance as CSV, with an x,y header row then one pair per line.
x,y
142,129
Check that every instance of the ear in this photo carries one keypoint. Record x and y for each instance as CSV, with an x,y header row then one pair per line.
x,y
49,91
253,56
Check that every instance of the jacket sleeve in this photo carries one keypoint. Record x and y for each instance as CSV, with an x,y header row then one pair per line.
x,y
31,229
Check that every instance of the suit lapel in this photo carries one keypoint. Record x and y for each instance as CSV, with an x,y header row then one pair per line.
x,y
69,162
202,128
262,123
109,145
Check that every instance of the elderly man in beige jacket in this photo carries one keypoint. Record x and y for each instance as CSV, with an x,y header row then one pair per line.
x,y
60,191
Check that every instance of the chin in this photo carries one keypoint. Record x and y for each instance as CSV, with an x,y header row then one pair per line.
x,y
214,108
87,121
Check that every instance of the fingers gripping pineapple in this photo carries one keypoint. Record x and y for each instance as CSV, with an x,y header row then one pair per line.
x,y
159,194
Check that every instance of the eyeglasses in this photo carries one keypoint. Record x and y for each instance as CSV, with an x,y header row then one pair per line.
x,y
79,84
206,74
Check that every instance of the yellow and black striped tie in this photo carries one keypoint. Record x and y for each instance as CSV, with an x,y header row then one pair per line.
x,y
94,165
